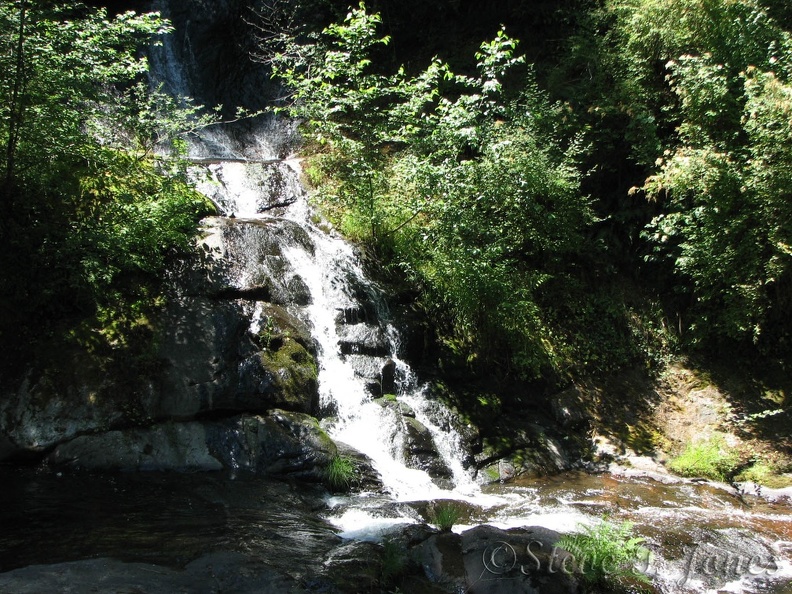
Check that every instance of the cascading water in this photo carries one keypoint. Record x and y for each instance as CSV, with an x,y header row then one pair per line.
x,y
344,310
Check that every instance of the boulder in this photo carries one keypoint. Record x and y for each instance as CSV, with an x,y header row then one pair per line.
x,y
488,560
354,567
71,395
173,446
419,449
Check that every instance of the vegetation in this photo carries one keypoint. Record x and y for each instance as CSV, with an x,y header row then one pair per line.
x,y
527,204
768,473
607,554
394,560
465,189
710,458
444,515
340,473
91,212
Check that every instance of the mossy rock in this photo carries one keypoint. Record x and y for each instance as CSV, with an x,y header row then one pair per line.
x,y
294,376
277,325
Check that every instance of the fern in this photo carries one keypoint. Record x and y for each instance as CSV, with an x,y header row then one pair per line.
x,y
607,553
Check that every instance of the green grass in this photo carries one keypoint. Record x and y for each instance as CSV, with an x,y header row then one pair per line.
x,y
340,473
766,474
711,458
444,515
607,554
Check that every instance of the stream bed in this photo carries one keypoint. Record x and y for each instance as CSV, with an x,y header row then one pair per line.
x,y
703,537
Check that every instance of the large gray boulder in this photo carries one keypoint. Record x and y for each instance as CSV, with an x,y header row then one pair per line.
x,y
488,560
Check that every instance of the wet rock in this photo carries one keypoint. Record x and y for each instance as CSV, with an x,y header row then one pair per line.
x,y
388,377
283,378
440,557
366,476
70,395
361,314
177,446
419,450
401,408
276,324
488,560
354,567
216,572
298,292
362,339
203,343
281,443
267,186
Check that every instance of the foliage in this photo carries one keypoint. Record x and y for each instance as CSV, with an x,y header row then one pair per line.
x,y
471,195
766,473
92,214
394,560
607,553
710,458
444,515
725,187
340,473
696,92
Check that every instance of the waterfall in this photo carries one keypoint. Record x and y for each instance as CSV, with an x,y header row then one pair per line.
x,y
251,176
347,317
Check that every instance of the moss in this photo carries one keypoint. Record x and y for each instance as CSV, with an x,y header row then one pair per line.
x,y
492,472
293,370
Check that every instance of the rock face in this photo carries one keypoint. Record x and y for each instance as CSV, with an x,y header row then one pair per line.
x,y
280,444
211,363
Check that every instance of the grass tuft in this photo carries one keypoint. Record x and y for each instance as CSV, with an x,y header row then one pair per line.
x,y
340,473
711,458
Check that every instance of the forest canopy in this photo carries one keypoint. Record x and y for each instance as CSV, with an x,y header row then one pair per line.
x,y
629,197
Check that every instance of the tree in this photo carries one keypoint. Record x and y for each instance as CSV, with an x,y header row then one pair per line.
x,y
472,196
91,210
725,186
